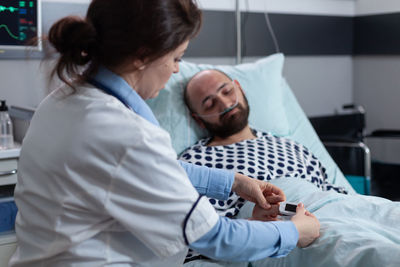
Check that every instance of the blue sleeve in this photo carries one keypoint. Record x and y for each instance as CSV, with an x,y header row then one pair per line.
x,y
211,182
243,240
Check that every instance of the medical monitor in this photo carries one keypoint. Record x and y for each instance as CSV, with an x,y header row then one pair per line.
x,y
20,24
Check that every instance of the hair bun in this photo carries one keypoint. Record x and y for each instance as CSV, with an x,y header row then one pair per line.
x,y
73,37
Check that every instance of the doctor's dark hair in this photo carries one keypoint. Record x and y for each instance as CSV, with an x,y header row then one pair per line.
x,y
115,33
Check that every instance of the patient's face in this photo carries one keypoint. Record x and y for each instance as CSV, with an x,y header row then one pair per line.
x,y
210,94
229,124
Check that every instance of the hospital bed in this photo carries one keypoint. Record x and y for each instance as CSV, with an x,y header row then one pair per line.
x,y
370,161
346,144
385,148
356,230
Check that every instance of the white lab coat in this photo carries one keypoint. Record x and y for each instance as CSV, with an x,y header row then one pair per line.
x,y
99,185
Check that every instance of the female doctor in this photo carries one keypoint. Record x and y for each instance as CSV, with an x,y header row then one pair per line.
x,y
99,183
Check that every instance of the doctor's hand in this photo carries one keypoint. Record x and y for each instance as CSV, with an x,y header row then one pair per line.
x,y
262,193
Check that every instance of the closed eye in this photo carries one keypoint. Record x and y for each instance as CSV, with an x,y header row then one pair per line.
x,y
209,104
227,91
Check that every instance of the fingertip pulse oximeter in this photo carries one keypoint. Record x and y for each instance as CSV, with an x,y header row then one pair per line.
x,y
287,208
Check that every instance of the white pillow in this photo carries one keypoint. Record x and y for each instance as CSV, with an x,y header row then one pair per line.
x,y
260,80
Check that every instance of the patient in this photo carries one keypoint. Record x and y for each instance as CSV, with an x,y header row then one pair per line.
x,y
219,104
356,230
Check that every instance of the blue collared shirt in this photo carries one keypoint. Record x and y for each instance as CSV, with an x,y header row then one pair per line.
x,y
234,240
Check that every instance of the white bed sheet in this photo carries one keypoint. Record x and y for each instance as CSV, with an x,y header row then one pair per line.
x,y
356,230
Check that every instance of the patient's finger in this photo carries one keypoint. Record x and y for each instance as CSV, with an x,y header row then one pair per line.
x,y
262,214
300,208
274,210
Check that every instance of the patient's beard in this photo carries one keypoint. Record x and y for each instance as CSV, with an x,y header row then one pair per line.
x,y
230,125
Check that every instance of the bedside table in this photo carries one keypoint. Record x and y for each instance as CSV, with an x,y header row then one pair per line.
x,y
8,177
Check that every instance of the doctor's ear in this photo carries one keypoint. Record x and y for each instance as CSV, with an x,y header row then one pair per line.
x,y
139,64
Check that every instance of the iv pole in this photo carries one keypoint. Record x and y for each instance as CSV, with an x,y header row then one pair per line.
x,y
238,34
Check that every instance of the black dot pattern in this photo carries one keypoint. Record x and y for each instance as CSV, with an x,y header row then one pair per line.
x,y
265,158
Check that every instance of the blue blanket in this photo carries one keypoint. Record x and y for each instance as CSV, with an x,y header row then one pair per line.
x,y
356,230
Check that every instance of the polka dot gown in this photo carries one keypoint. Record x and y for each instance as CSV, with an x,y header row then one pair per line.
x,y
265,158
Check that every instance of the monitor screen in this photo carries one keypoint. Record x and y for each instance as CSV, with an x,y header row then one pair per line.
x,y
19,24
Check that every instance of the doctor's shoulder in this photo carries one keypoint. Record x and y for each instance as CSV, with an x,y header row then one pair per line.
x,y
118,121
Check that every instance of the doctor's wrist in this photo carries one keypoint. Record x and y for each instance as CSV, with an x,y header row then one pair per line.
x,y
238,181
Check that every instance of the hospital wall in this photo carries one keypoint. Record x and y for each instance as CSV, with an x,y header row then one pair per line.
x,y
24,81
337,52
377,62
317,37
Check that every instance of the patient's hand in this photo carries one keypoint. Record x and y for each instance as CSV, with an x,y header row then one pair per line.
x,y
261,214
